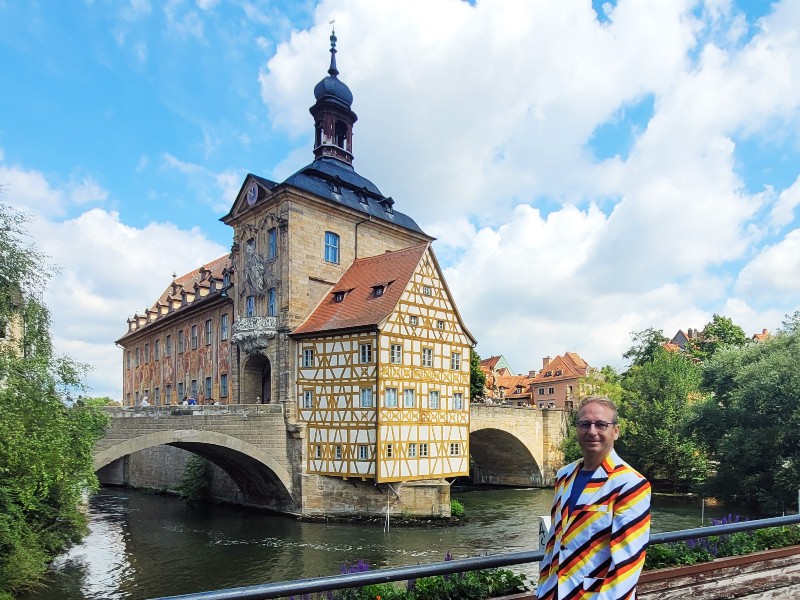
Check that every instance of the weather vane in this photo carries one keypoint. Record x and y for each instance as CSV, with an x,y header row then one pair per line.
x,y
333,23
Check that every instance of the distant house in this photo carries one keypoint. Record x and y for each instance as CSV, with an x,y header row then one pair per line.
x,y
682,338
557,384
761,337
502,385
496,363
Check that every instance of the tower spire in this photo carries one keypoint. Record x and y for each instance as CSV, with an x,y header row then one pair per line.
x,y
333,71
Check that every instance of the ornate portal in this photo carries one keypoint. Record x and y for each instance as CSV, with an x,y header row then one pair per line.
x,y
251,333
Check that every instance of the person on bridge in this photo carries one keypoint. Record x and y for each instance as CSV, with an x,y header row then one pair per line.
x,y
600,519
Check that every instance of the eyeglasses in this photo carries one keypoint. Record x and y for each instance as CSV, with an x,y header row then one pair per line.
x,y
599,425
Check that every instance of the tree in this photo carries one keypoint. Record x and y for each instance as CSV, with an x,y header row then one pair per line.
x,y
477,378
647,343
605,382
658,403
46,443
752,422
721,331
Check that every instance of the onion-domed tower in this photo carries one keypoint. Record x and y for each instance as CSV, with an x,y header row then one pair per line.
x,y
333,117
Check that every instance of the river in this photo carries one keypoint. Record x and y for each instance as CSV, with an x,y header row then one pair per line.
x,y
145,546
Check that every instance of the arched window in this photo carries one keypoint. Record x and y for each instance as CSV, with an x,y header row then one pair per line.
x,y
331,247
341,135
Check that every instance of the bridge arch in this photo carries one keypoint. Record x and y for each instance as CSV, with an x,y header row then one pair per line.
x,y
500,457
261,478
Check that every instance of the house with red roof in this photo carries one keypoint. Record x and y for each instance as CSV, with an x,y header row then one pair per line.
x,y
557,384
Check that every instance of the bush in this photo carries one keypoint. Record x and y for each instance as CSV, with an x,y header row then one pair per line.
x,y
694,551
196,482
456,509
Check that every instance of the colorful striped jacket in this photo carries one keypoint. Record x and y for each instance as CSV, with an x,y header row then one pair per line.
x,y
597,552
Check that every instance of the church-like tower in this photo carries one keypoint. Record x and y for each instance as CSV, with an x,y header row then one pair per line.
x,y
333,117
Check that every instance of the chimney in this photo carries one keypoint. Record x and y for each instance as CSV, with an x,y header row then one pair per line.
x,y
764,331
531,374
545,362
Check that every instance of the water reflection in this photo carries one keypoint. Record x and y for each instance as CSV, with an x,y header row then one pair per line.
x,y
141,545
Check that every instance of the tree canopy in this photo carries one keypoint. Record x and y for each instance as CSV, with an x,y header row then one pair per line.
x,y
46,441
646,344
477,378
718,333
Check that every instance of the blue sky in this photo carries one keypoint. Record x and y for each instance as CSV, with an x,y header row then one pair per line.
x,y
589,169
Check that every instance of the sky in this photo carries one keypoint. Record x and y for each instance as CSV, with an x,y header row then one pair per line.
x,y
589,169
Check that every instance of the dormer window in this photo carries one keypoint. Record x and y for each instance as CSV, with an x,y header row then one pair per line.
x,y
335,187
558,372
377,290
519,389
548,374
338,296
362,197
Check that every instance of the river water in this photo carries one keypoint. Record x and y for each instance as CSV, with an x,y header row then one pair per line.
x,y
145,546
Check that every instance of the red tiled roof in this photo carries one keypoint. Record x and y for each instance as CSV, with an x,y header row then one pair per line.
x,y
360,308
491,362
571,365
763,336
670,347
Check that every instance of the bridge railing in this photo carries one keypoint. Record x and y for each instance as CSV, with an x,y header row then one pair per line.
x,y
300,587
192,410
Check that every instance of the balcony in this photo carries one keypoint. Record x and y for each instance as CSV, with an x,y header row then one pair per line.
x,y
251,334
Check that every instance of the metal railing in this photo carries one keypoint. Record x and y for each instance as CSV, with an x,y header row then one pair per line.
x,y
180,410
351,580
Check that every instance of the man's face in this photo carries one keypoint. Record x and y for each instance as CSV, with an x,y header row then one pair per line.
x,y
597,444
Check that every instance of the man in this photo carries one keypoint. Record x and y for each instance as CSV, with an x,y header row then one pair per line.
x,y
600,517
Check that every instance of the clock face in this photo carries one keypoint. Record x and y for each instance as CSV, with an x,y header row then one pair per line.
x,y
252,194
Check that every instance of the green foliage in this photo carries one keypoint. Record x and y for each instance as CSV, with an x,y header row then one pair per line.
x,y
473,585
719,333
646,344
196,482
46,442
657,405
456,509
477,378
752,422
690,552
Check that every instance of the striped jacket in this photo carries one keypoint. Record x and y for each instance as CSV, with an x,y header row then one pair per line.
x,y
597,552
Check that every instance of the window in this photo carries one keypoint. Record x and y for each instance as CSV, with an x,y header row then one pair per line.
x,y
427,357
226,279
551,390
251,245
308,399
272,307
272,243
331,247
541,391
455,449
338,296
389,450
412,451
413,320
180,392
168,396
308,358
458,401
377,291
194,337
455,361
136,398
194,389
223,327
338,452
168,346
157,349
366,354
146,353
426,290
396,354
136,363
317,450
250,306
129,359
390,398
439,324
559,372
128,399
157,396
423,450
548,374
180,342
408,398
433,399
208,332
208,387
363,453
366,397
223,385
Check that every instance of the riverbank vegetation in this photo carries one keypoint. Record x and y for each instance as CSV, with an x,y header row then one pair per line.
x,y
721,418
46,438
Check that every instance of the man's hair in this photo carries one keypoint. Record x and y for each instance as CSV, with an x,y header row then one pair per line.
x,y
603,401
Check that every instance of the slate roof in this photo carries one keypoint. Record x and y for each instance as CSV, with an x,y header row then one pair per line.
x,y
360,308
338,182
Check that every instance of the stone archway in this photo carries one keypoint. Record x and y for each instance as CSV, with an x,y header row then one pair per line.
x,y
256,378
500,458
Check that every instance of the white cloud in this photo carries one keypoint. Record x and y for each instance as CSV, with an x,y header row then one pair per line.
x,y
202,180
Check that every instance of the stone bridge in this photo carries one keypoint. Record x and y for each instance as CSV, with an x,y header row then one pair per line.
x,y
515,445
261,456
